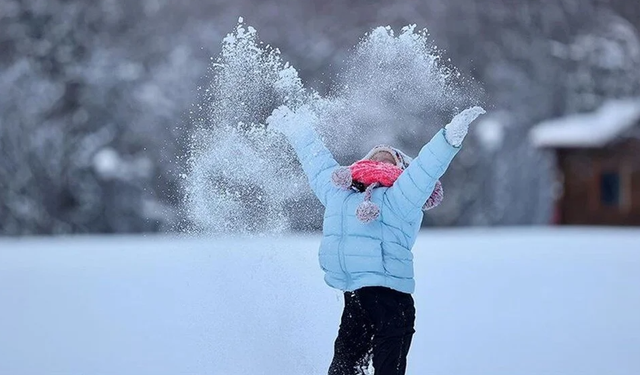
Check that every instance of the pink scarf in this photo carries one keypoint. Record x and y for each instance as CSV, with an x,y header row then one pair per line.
x,y
366,175
368,172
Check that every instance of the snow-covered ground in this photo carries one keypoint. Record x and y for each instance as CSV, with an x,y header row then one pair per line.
x,y
512,302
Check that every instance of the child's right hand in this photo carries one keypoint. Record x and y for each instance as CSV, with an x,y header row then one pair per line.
x,y
287,122
278,116
281,120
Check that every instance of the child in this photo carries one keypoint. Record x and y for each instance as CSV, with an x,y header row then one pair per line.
x,y
373,212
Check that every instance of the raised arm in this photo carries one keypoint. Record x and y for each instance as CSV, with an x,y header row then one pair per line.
x,y
317,161
414,186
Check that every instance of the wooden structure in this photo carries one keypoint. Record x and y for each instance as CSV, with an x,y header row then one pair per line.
x,y
598,164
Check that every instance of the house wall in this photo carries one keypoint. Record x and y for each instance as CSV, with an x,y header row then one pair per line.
x,y
582,171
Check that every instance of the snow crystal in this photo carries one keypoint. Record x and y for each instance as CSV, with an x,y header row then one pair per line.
x,y
594,129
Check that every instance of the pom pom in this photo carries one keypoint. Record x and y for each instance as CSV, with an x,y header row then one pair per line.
x,y
436,197
367,212
341,178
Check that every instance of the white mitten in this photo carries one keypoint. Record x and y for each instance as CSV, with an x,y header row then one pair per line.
x,y
457,129
287,122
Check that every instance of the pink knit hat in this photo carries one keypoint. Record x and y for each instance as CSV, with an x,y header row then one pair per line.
x,y
365,175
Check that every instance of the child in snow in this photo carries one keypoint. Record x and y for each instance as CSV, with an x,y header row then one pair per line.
x,y
373,211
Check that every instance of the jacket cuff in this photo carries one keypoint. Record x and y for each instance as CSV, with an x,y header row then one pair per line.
x,y
440,147
444,134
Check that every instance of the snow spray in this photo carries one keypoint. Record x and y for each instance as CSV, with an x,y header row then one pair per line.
x,y
244,179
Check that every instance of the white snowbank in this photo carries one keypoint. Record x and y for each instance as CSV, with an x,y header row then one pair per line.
x,y
594,129
525,302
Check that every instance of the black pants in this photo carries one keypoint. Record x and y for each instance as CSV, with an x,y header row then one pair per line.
x,y
376,323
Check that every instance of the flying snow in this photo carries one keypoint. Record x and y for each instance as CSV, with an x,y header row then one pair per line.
x,y
391,87
243,178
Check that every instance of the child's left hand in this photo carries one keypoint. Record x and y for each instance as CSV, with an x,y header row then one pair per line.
x,y
457,129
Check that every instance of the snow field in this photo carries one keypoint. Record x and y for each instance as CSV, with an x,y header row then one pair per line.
x,y
509,301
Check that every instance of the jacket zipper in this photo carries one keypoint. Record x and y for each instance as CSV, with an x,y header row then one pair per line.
x,y
343,261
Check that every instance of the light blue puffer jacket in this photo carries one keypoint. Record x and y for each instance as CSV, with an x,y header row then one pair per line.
x,y
353,254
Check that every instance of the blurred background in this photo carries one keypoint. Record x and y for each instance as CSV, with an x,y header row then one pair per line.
x,y
99,109
95,101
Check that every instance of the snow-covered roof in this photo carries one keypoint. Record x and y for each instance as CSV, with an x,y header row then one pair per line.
x,y
594,129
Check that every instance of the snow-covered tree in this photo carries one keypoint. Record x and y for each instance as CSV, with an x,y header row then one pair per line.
x,y
88,131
